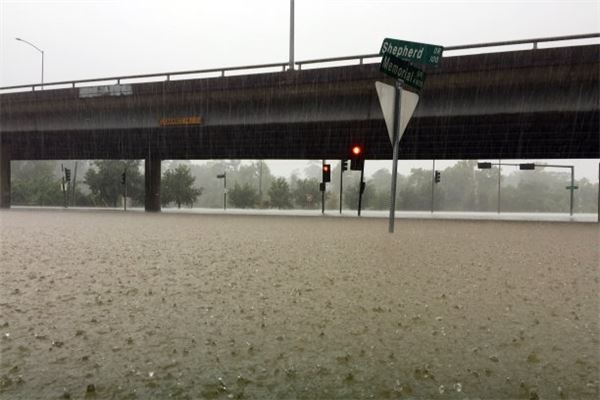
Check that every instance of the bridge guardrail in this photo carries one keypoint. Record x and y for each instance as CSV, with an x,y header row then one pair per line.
x,y
285,66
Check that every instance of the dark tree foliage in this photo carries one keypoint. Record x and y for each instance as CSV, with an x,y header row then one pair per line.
x,y
104,181
177,187
243,196
35,183
306,193
352,192
280,194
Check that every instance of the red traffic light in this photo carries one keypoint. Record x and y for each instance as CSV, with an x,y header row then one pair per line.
x,y
356,150
326,173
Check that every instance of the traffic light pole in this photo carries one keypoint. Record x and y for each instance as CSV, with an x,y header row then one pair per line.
x,y
361,188
432,185
73,185
64,186
396,124
572,188
499,182
323,191
341,183
125,191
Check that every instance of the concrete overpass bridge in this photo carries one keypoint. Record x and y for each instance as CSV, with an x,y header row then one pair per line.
x,y
535,103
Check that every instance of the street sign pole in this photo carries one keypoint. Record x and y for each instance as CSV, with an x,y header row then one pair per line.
x,y
396,144
572,189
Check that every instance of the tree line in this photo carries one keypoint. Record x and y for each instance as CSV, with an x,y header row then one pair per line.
x,y
463,187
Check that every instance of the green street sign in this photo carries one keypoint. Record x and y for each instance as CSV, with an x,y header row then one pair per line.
x,y
573,187
421,53
402,70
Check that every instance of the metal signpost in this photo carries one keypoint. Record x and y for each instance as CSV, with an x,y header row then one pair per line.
x,y
397,56
224,177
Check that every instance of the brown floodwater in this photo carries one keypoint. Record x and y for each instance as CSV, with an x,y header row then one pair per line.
x,y
108,305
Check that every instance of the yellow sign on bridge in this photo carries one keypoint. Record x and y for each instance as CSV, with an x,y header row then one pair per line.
x,y
180,121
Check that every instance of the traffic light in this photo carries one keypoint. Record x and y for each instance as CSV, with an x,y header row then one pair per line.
x,y
326,173
438,176
123,178
527,166
357,161
484,165
67,175
344,165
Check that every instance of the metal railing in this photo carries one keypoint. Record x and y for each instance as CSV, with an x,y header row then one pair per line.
x,y
533,42
285,65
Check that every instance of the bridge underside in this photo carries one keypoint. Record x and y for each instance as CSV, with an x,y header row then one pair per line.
x,y
518,136
521,136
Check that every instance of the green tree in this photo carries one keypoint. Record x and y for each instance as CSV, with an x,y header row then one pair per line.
x,y
104,181
414,192
352,193
380,182
243,196
35,183
280,194
177,186
306,193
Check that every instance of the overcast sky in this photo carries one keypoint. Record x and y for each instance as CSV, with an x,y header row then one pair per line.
x,y
91,39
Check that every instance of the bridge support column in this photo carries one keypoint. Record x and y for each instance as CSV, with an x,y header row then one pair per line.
x,y
152,177
4,174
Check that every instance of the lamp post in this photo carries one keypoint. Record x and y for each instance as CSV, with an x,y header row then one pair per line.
x,y
38,49
291,64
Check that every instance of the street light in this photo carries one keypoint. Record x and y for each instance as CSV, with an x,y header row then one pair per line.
x,y
38,49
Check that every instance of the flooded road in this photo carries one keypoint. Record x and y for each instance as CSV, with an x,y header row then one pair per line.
x,y
150,306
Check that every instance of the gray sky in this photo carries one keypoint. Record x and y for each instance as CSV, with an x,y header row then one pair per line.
x,y
91,39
